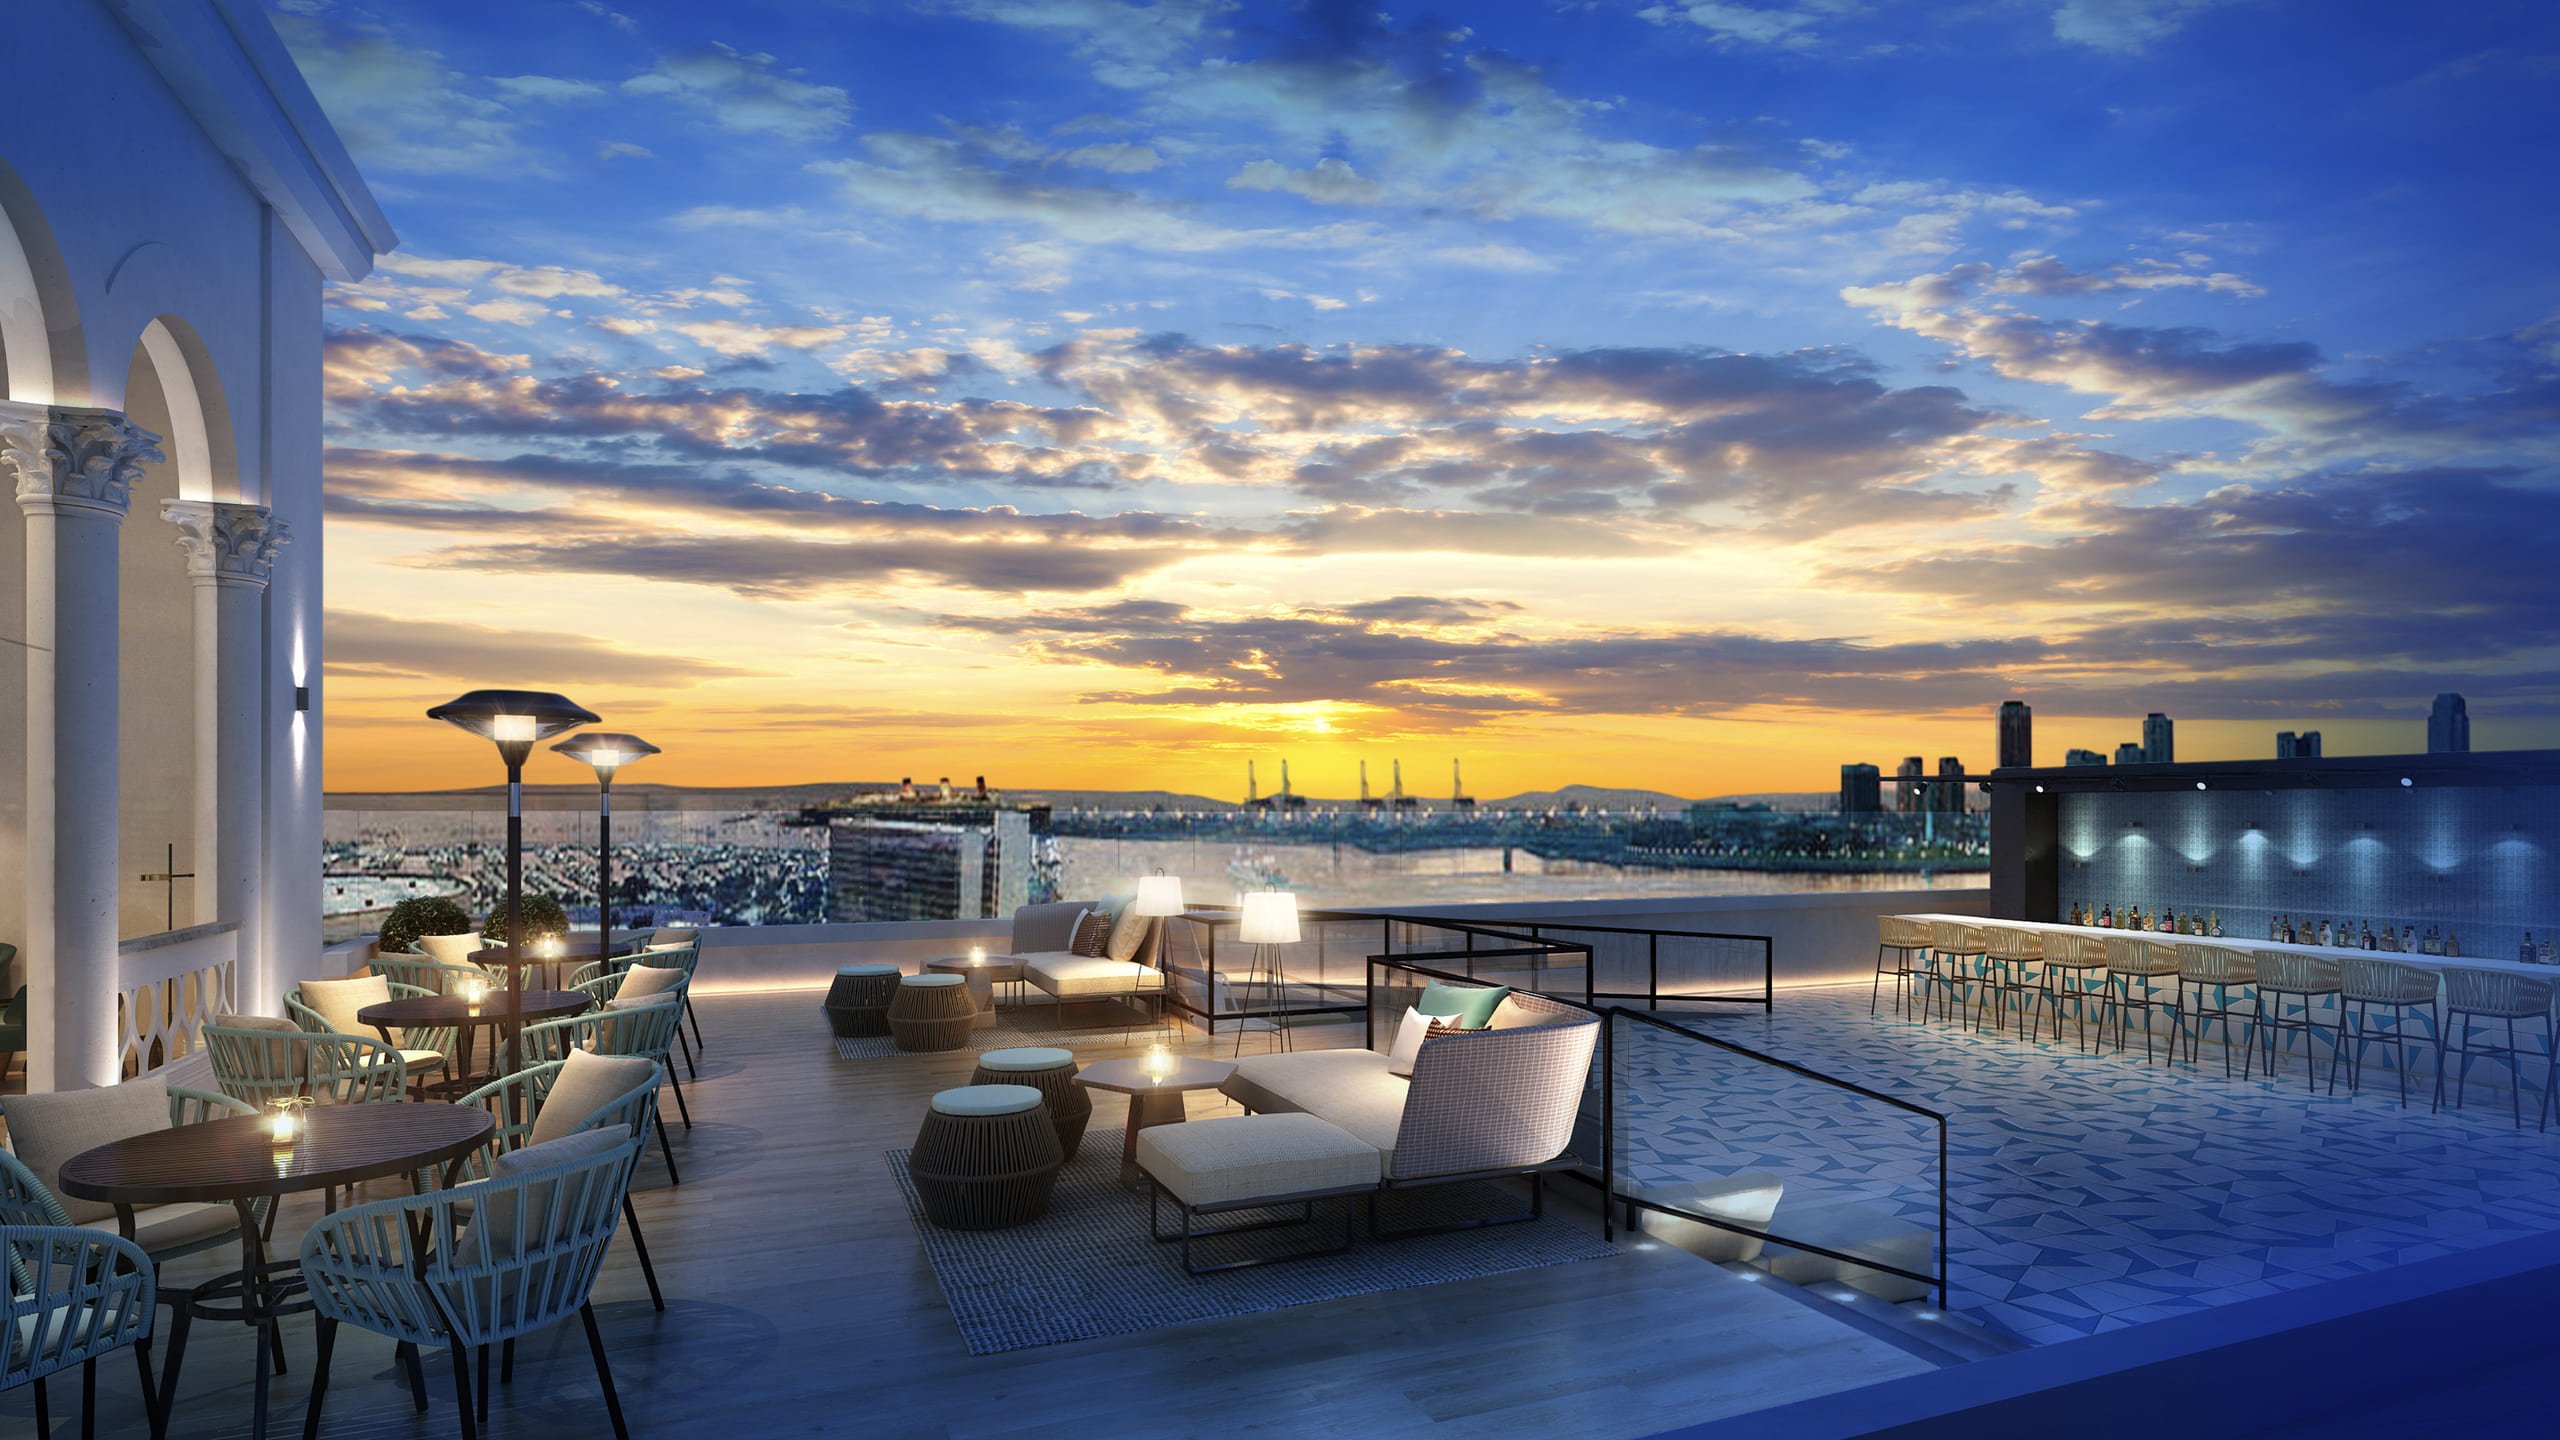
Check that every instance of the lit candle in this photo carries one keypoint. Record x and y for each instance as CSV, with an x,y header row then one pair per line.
x,y
977,954
473,992
1159,1062
284,1120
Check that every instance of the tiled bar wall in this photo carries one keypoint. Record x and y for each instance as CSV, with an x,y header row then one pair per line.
x,y
2473,860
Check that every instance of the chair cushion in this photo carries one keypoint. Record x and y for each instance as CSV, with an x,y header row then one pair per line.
x,y
585,1084
420,1061
1066,976
1512,1015
257,1022
934,981
449,950
494,1229
1025,1059
983,1100
1349,1088
666,937
1128,932
1238,1158
46,1130
1411,1031
1472,1005
866,969
160,1229
1092,934
647,980
337,1001
634,1002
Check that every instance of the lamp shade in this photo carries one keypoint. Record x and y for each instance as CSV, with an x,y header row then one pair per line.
x,y
1270,918
513,717
1158,895
605,749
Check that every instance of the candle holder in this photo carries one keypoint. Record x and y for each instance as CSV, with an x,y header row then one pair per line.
x,y
1159,1063
285,1123
472,993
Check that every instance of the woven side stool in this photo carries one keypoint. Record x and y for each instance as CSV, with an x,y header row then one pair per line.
x,y
932,1013
986,1157
1052,1072
858,1001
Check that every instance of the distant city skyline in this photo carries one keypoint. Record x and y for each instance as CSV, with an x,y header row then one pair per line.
x,y
1106,392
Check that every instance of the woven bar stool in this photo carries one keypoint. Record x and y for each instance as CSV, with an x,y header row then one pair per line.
x,y
2472,995
2131,958
858,1001
1956,960
2400,988
2074,967
2216,968
1909,942
1052,1072
932,1013
986,1157
2291,975
2005,957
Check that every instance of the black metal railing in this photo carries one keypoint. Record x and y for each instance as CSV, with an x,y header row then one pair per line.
x,y
1625,950
1211,992
1616,1099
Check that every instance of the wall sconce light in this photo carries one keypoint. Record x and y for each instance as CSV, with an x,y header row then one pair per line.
x,y
2406,782
301,697
2199,784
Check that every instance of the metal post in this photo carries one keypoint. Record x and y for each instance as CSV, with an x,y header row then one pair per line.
x,y
1609,1129
1942,1214
1653,970
515,917
604,872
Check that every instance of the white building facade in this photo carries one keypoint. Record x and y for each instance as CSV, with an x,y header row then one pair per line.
x,y
171,201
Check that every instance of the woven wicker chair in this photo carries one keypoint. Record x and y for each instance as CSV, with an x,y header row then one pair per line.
x,y
985,1158
71,1296
2074,972
1957,961
1052,1072
2131,958
2007,956
521,1106
1902,947
431,975
680,949
647,1029
630,981
2397,987
257,1065
2216,968
423,1048
932,1013
2309,979
2471,995
857,1004
469,1268
455,950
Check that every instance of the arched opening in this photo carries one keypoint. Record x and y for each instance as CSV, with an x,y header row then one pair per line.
x,y
197,439
158,647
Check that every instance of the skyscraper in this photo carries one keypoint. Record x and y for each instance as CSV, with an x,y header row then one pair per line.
x,y
1907,794
2017,734
1861,790
2128,753
2083,757
2159,739
1947,796
2285,742
2449,726
2306,746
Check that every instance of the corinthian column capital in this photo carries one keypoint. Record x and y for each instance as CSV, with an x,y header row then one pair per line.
x,y
227,543
65,457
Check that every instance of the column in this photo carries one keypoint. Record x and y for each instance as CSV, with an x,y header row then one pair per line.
x,y
231,552
73,470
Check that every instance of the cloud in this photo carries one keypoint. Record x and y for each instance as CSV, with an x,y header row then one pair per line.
x,y
1733,26
363,643
1329,181
1117,158
747,93
395,104
2124,27
776,568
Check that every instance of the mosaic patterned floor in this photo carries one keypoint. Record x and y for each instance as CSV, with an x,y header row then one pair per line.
x,y
2089,1191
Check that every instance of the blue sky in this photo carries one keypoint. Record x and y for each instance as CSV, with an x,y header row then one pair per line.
x,y
1712,390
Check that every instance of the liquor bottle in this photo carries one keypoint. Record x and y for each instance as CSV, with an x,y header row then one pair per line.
x,y
2408,939
2550,949
2289,938
2433,944
2365,938
2169,921
2526,954
2215,927
2453,942
2107,916
2322,933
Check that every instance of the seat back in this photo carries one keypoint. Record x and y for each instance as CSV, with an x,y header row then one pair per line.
x,y
2501,993
2294,973
1496,1099
451,949
2386,982
2134,955
1954,937
647,1030
433,976
1904,933
70,1296
2216,965
2002,942
2071,948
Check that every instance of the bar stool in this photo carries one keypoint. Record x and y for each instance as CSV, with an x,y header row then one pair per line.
x,y
2290,974
2006,955
2363,984
1906,938
1958,959
2216,968
2070,960
2131,958
2472,994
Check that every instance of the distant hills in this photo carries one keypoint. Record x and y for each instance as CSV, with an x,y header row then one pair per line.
x,y
641,796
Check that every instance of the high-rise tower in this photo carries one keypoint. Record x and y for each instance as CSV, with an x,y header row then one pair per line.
x,y
2017,735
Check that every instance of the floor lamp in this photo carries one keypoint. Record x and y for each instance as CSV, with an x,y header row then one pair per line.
x,y
1159,899
1269,920
607,752
515,719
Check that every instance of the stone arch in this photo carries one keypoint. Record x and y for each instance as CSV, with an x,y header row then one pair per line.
x,y
197,439
42,358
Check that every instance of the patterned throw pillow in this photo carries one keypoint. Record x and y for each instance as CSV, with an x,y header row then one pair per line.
x,y
1092,933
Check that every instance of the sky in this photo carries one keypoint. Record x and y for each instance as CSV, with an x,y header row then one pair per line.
x,y
1689,395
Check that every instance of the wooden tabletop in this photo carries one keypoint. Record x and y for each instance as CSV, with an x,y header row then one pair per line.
x,y
430,1010
1130,1076
2243,943
232,1158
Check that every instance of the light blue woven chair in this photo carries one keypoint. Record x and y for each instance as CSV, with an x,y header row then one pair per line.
x,y
677,949
73,1295
430,974
475,1266
521,1106
424,1048
258,1065
617,981
648,1030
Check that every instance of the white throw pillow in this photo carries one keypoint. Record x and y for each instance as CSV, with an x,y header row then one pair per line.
x,y
1415,1029
1128,933
642,980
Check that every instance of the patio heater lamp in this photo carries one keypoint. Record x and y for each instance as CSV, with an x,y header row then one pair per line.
x,y
515,720
607,752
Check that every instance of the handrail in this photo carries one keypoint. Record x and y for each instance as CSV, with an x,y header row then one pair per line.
x,y
1652,993
1613,1196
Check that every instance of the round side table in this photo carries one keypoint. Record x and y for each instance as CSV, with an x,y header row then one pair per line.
x,y
982,977
1052,1072
932,1013
986,1158
858,1002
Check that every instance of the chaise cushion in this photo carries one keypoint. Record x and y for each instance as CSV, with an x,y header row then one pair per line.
x,y
1241,1158
1350,1088
1071,976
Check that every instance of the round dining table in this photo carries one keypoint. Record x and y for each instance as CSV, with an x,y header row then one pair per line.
x,y
466,1018
234,1161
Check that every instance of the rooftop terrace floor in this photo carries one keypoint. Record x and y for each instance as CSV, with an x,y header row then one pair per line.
x,y
800,1303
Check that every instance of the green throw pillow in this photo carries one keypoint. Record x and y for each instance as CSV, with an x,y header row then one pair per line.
x,y
1472,1005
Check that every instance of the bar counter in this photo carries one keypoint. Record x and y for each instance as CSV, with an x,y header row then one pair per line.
x,y
2243,943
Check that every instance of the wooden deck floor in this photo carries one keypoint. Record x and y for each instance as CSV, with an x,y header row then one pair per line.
x,y
799,1303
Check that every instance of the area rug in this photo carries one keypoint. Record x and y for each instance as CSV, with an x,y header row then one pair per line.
x,y
1015,1026
1087,1268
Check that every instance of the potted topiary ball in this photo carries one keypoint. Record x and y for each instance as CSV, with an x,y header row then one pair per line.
x,y
416,916
543,920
